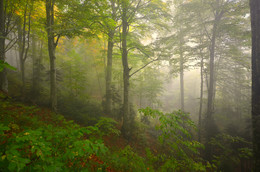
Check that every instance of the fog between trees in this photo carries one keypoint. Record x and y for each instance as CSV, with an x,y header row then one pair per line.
x,y
175,75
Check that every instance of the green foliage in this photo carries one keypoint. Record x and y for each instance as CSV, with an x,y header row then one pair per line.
x,y
229,151
33,141
86,112
3,128
181,151
106,126
148,87
127,160
4,65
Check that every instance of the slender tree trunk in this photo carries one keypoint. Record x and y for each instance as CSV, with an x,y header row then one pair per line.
x,y
51,49
23,49
3,78
209,123
126,118
211,72
211,128
201,95
181,78
110,46
255,23
36,69
109,71
218,17
22,76
21,45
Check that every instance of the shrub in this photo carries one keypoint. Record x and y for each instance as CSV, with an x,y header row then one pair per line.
x,y
84,112
33,141
181,152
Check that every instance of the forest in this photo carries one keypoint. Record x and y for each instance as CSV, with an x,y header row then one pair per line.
x,y
130,85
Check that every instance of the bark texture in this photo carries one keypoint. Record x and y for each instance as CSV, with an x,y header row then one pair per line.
x,y
255,24
109,71
182,76
51,48
23,36
3,78
210,125
218,17
126,117
201,95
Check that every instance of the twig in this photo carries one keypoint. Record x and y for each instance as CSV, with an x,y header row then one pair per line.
x,y
143,67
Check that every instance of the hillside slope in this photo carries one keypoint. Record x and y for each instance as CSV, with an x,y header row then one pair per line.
x,y
36,139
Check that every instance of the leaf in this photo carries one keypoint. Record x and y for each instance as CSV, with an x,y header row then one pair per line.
x,y
3,128
4,65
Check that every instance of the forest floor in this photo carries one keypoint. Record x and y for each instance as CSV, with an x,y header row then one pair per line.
x,y
18,120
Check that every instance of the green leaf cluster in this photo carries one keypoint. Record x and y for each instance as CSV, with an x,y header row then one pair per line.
x,y
32,142
180,151
4,65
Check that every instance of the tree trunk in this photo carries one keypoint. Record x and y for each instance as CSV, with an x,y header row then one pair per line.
x,y
210,127
109,71
255,24
36,69
209,113
201,95
110,46
211,72
23,50
51,49
22,77
181,79
3,78
34,63
126,118
21,44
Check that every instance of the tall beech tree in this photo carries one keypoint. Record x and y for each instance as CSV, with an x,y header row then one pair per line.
x,y
24,28
135,13
108,21
52,44
218,14
110,44
7,23
125,28
255,25
3,79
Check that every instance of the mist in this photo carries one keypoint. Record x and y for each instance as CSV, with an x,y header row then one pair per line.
x,y
128,85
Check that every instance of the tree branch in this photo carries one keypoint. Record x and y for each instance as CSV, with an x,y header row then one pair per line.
x,y
57,40
139,50
28,35
143,67
9,45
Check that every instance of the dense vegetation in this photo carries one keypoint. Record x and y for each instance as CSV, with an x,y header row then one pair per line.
x,y
126,85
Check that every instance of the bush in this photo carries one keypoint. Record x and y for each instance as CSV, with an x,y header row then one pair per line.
x,y
231,151
127,160
31,140
84,112
181,152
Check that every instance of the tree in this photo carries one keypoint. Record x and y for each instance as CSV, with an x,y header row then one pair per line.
x,y
53,39
108,21
177,41
131,12
3,79
255,25
126,76
148,94
52,44
136,15
219,11
181,28
7,20
24,39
